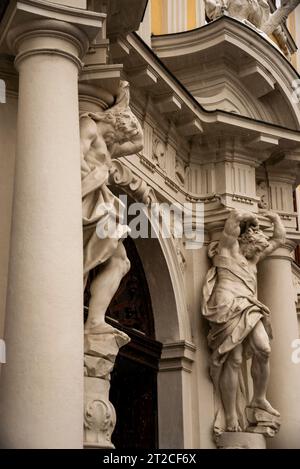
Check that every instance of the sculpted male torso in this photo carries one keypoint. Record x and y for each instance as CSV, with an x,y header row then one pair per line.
x,y
239,322
105,135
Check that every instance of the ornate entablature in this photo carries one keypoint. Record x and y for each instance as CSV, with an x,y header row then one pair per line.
x,y
212,137
229,66
213,157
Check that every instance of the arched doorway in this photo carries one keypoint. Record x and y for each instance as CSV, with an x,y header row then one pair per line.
x,y
133,390
157,320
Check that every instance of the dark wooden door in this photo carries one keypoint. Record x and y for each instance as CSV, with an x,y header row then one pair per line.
x,y
133,389
133,393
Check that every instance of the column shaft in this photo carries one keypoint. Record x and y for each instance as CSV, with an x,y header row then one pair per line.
x,y
41,391
275,287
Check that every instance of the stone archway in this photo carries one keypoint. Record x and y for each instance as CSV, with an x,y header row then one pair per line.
x,y
172,329
171,320
160,350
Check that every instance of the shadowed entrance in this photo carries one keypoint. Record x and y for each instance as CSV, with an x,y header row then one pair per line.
x,y
133,390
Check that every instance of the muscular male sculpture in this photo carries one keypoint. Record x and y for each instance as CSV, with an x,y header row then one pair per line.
x,y
105,135
239,323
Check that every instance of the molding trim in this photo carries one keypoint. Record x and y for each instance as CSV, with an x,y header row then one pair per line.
x,y
34,16
212,120
233,33
177,356
24,55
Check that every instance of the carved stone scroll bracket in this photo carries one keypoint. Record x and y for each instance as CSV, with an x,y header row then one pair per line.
x,y
100,351
122,176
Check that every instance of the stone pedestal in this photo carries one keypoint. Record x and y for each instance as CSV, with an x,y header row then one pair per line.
x,y
240,440
100,352
262,422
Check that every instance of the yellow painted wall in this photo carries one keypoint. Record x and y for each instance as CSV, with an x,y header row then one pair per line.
x,y
191,14
157,16
159,9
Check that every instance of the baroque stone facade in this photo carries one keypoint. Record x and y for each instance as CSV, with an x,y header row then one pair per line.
x,y
212,123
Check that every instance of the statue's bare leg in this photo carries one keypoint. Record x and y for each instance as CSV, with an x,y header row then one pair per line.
x,y
229,384
260,369
104,286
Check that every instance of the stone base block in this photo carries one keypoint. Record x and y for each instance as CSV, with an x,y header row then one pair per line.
x,y
262,422
240,440
101,347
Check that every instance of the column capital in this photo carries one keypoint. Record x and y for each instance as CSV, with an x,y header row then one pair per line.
x,y
31,21
47,184
50,37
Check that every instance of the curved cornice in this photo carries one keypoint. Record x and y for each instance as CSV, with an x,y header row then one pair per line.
x,y
186,42
192,45
213,122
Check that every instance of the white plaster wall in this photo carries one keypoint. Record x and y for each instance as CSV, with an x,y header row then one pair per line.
x,y
145,29
200,13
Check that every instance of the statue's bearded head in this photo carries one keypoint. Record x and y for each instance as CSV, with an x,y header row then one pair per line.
x,y
117,126
253,241
126,125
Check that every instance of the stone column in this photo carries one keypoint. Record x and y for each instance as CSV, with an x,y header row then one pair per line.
x,y
276,290
41,395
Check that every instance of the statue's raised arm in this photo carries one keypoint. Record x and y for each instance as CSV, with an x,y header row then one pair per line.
x,y
214,8
240,326
236,223
255,12
280,15
278,238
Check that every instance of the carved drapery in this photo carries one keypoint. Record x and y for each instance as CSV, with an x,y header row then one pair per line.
x,y
115,132
240,325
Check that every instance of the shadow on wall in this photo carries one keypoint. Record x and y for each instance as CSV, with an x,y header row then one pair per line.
x,y
3,6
